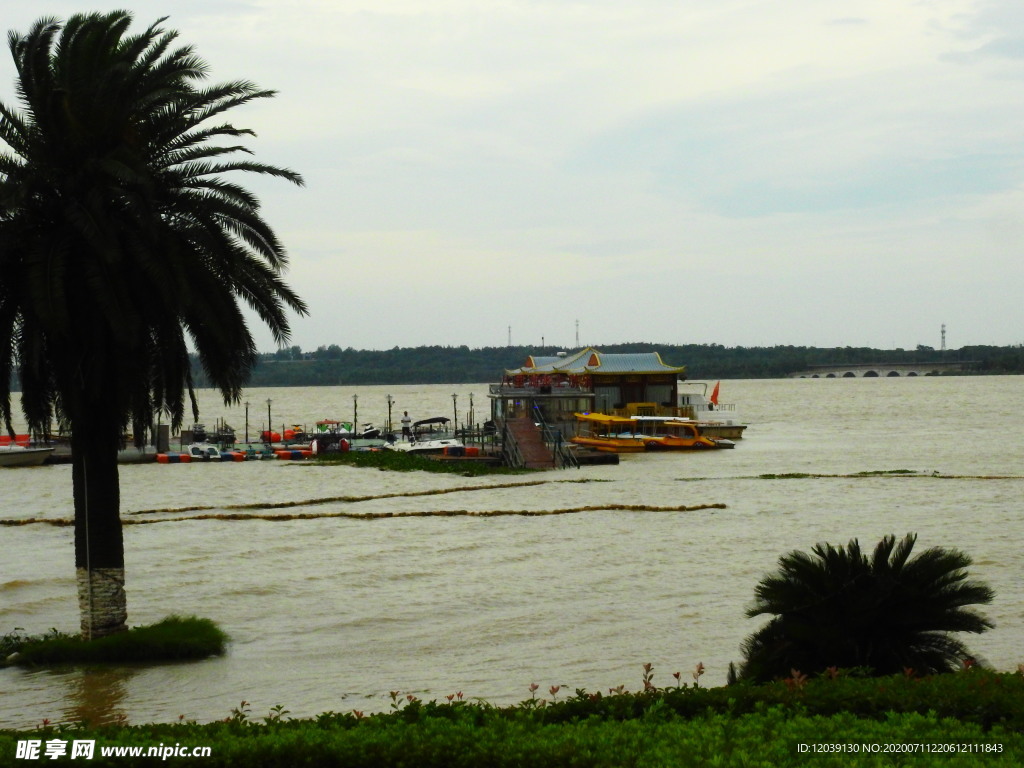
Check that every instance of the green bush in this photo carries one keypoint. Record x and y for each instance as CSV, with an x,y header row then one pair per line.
x,y
172,639
840,720
887,612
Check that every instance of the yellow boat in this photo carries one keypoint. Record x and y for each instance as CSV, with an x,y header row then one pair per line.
x,y
611,434
620,434
667,433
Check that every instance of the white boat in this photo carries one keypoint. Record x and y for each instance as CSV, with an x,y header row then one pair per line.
x,y
204,452
20,456
333,436
346,430
428,436
714,419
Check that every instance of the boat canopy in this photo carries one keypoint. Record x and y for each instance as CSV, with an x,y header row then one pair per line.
x,y
434,420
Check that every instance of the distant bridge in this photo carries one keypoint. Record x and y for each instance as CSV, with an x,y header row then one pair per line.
x,y
878,370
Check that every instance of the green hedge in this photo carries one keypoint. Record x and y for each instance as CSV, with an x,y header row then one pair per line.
x,y
881,721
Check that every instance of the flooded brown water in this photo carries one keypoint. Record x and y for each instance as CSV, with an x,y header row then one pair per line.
x,y
333,613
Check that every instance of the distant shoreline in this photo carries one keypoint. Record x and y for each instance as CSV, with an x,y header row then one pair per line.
x,y
334,366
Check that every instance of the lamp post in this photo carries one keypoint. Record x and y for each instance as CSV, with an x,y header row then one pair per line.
x,y
390,401
355,413
455,413
246,421
270,424
471,416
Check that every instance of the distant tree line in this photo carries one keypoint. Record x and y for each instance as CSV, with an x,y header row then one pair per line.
x,y
332,365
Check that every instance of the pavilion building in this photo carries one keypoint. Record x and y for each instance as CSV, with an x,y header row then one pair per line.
x,y
553,389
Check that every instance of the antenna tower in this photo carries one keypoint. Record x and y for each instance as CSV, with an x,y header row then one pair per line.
x,y
577,334
943,337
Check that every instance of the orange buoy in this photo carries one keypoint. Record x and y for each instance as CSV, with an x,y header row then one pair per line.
x,y
173,458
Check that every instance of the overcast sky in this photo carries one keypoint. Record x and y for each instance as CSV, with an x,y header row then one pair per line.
x,y
739,172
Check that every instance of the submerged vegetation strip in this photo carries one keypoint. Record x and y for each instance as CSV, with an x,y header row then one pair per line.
x,y
355,499
344,499
438,513
239,516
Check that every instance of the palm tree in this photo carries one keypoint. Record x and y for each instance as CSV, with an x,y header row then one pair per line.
x,y
839,608
121,246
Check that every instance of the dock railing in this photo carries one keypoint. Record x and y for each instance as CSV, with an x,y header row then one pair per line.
x,y
555,442
560,449
510,447
485,437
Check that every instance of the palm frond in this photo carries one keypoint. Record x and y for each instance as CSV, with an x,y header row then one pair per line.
x,y
838,607
136,244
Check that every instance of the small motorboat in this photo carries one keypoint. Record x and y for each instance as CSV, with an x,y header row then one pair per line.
x,y
211,452
428,436
22,456
340,436
714,419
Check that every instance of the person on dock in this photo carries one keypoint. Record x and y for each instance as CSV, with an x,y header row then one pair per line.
x,y
406,425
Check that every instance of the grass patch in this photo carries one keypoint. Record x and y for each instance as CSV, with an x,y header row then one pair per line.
x,y
172,639
399,461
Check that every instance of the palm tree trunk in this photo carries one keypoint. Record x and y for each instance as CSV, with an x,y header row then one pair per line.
x,y
99,543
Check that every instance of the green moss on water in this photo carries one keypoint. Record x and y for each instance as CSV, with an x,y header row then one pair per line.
x,y
868,473
398,461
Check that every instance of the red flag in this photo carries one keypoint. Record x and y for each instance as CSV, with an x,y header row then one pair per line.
x,y
714,393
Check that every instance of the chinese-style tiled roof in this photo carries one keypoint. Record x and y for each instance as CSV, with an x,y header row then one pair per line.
x,y
592,361
533,361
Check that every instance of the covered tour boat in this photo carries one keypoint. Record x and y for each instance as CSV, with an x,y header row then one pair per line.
x,y
619,434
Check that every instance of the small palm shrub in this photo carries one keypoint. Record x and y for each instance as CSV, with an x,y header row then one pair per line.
x,y
886,613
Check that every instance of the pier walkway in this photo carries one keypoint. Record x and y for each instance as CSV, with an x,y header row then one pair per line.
x,y
529,442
